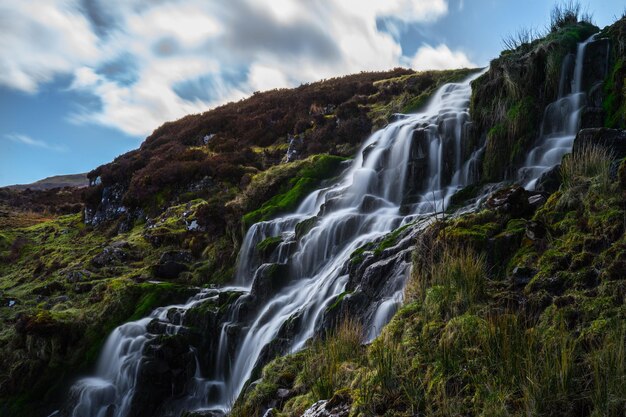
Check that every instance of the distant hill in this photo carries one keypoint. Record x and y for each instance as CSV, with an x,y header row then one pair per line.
x,y
57,181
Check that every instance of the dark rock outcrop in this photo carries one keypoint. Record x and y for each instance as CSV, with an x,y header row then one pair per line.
x,y
116,253
549,181
512,200
612,139
172,263
110,207
165,371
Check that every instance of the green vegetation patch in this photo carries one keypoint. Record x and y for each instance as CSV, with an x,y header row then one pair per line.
x,y
319,168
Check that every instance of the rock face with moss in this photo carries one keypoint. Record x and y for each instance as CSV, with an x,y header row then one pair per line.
x,y
509,100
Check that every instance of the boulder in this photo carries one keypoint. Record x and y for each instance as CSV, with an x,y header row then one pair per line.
x,y
268,280
110,207
338,406
536,201
535,230
111,255
550,181
522,276
612,139
511,200
172,263
77,276
165,372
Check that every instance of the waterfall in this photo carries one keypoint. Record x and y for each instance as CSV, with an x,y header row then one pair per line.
x,y
403,172
561,121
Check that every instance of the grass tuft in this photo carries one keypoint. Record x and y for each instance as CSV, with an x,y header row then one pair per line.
x,y
591,162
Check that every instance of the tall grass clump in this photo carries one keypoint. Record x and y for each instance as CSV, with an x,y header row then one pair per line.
x,y
522,37
591,162
324,358
567,13
551,372
608,372
453,278
391,380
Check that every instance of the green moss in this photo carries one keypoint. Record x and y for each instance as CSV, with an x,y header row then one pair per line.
x,y
462,196
267,246
305,227
338,300
306,180
280,373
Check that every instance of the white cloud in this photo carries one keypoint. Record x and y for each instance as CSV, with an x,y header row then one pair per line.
x,y
440,57
27,140
39,40
271,43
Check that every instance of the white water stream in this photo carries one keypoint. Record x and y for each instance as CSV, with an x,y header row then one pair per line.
x,y
404,171
561,122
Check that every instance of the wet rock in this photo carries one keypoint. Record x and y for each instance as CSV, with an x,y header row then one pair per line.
x,y
280,345
372,203
268,280
375,276
613,139
266,247
330,205
536,201
368,149
305,226
550,181
417,166
595,63
164,373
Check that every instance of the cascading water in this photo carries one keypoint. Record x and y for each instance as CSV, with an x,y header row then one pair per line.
x,y
407,170
561,121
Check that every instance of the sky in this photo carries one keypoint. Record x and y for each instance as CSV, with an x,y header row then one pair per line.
x,y
83,81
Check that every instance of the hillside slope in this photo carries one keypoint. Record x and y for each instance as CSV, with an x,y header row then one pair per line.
x,y
166,218
514,308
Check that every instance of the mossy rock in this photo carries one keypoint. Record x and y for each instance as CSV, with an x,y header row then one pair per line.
x,y
306,180
266,247
305,226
